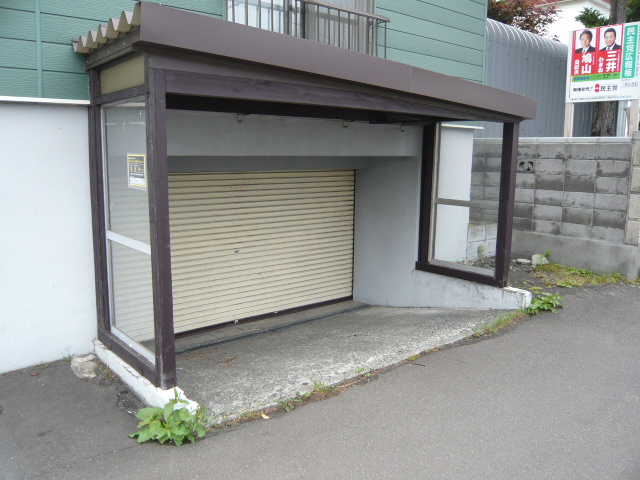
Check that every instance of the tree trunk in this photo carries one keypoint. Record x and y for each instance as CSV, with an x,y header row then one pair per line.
x,y
618,11
604,122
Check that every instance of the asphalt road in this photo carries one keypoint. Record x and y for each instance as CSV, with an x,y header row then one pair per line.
x,y
556,397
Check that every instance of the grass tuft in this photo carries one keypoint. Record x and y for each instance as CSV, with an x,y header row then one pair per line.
x,y
558,275
499,324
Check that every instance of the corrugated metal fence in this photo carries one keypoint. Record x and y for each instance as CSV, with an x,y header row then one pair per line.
x,y
525,63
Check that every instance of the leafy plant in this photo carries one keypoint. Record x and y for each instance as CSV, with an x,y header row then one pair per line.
x,y
547,254
480,251
171,423
546,302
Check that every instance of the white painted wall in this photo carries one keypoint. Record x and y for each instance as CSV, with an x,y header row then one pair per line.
x,y
47,287
386,246
387,163
566,21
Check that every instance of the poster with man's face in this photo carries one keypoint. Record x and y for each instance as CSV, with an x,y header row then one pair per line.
x,y
584,56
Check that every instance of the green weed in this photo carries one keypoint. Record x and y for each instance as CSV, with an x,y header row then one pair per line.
x,y
546,302
170,423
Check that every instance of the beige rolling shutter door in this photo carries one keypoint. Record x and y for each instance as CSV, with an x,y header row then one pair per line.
x,y
252,243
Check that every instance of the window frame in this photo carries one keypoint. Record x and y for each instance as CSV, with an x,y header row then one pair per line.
x,y
426,262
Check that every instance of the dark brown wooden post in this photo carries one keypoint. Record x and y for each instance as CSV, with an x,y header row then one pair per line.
x,y
157,171
97,206
429,133
506,201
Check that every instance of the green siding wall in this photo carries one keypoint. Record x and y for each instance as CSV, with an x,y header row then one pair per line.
x,y
36,56
37,59
446,36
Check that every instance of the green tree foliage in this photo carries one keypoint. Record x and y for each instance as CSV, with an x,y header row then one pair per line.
x,y
531,15
590,17
633,11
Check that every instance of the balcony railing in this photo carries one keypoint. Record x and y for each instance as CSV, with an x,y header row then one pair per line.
x,y
316,20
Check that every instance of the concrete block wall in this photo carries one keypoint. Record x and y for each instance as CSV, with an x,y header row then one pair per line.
x,y
632,236
575,187
580,199
485,180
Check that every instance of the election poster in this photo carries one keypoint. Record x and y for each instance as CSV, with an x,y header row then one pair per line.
x,y
604,64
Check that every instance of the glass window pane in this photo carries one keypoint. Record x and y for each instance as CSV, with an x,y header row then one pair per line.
x,y
132,296
125,138
465,215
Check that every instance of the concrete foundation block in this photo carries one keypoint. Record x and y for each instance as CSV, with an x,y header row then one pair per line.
x,y
608,218
613,168
545,226
635,150
491,179
574,230
524,195
581,167
527,149
550,166
601,257
477,178
477,192
522,224
490,216
489,148
614,151
578,199
619,186
477,163
493,164
574,183
552,150
632,235
548,197
525,165
549,182
607,201
580,216
491,193
582,151
547,212
528,180
634,206
609,235
635,180
523,210
476,233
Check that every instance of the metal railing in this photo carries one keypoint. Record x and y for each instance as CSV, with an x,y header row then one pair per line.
x,y
316,20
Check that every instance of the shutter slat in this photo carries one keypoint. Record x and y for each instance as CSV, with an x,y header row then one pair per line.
x,y
252,243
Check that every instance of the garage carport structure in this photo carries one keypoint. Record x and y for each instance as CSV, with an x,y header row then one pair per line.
x,y
195,122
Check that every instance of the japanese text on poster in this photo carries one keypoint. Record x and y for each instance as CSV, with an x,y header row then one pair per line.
x,y
604,64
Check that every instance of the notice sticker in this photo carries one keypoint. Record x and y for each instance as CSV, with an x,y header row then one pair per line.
x,y
137,168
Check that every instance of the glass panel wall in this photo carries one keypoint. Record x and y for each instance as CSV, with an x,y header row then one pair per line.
x,y
466,197
127,218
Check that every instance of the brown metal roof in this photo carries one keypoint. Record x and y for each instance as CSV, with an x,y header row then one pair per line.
x,y
155,25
